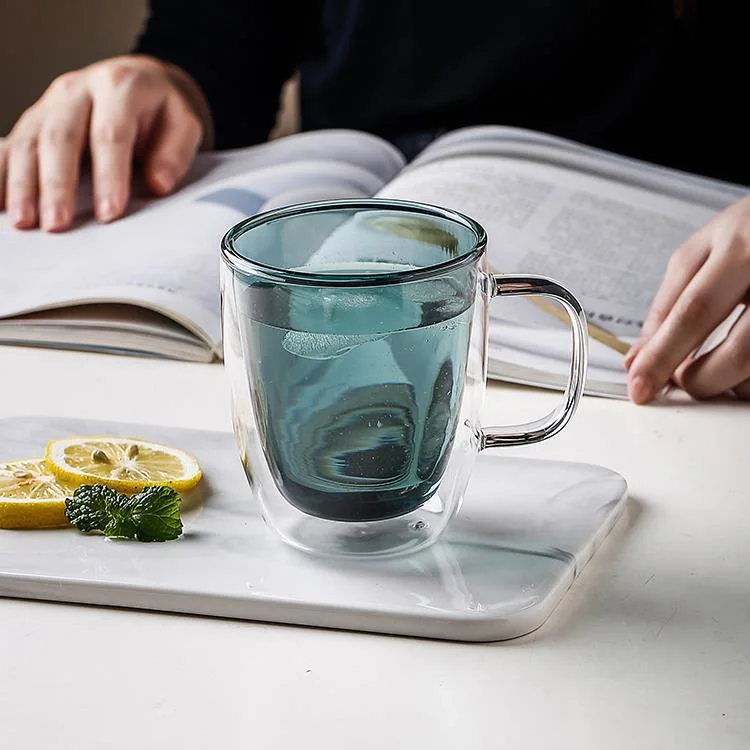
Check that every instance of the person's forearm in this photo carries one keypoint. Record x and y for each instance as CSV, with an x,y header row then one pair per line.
x,y
230,59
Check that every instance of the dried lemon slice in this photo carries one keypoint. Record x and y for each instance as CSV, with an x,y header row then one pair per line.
x,y
125,464
31,497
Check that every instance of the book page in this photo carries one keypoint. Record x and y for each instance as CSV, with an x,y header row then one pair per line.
x,y
165,253
529,145
568,214
117,329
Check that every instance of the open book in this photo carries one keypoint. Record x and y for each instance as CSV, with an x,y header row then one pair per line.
x,y
603,225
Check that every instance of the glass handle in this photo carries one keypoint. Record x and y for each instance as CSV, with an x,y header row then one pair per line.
x,y
541,429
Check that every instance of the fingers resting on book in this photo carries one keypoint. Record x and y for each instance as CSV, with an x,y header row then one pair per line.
x,y
697,333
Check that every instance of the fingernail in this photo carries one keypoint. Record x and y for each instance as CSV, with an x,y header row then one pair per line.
x,y
634,351
23,214
630,357
640,390
163,179
54,217
106,209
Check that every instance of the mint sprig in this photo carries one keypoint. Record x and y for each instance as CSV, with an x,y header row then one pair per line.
x,y
153,515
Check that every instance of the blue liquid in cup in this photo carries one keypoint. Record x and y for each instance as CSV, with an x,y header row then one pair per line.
x,y
357,391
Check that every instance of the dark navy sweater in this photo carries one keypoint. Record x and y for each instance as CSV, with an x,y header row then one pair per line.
x,y
636,77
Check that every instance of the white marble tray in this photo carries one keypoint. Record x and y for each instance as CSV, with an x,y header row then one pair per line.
x,y
525,531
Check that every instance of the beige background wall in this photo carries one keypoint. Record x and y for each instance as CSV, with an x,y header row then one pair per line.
x,y
39,39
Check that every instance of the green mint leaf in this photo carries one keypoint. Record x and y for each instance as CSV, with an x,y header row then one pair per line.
x,y
155,514
152,515
92,507
120,523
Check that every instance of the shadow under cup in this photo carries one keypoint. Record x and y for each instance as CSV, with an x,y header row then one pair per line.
x,y
354,337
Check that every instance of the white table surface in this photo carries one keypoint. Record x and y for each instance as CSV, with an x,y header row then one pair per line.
x,y
650,649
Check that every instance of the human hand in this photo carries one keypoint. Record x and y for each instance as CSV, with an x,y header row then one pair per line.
x,y
119,109
705,280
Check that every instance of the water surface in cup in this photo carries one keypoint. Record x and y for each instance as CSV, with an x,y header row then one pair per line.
x,y
357,390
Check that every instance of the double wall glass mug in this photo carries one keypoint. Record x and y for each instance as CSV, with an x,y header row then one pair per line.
x,y
355,339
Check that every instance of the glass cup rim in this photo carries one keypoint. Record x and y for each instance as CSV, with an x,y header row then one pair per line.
x,y
240,264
